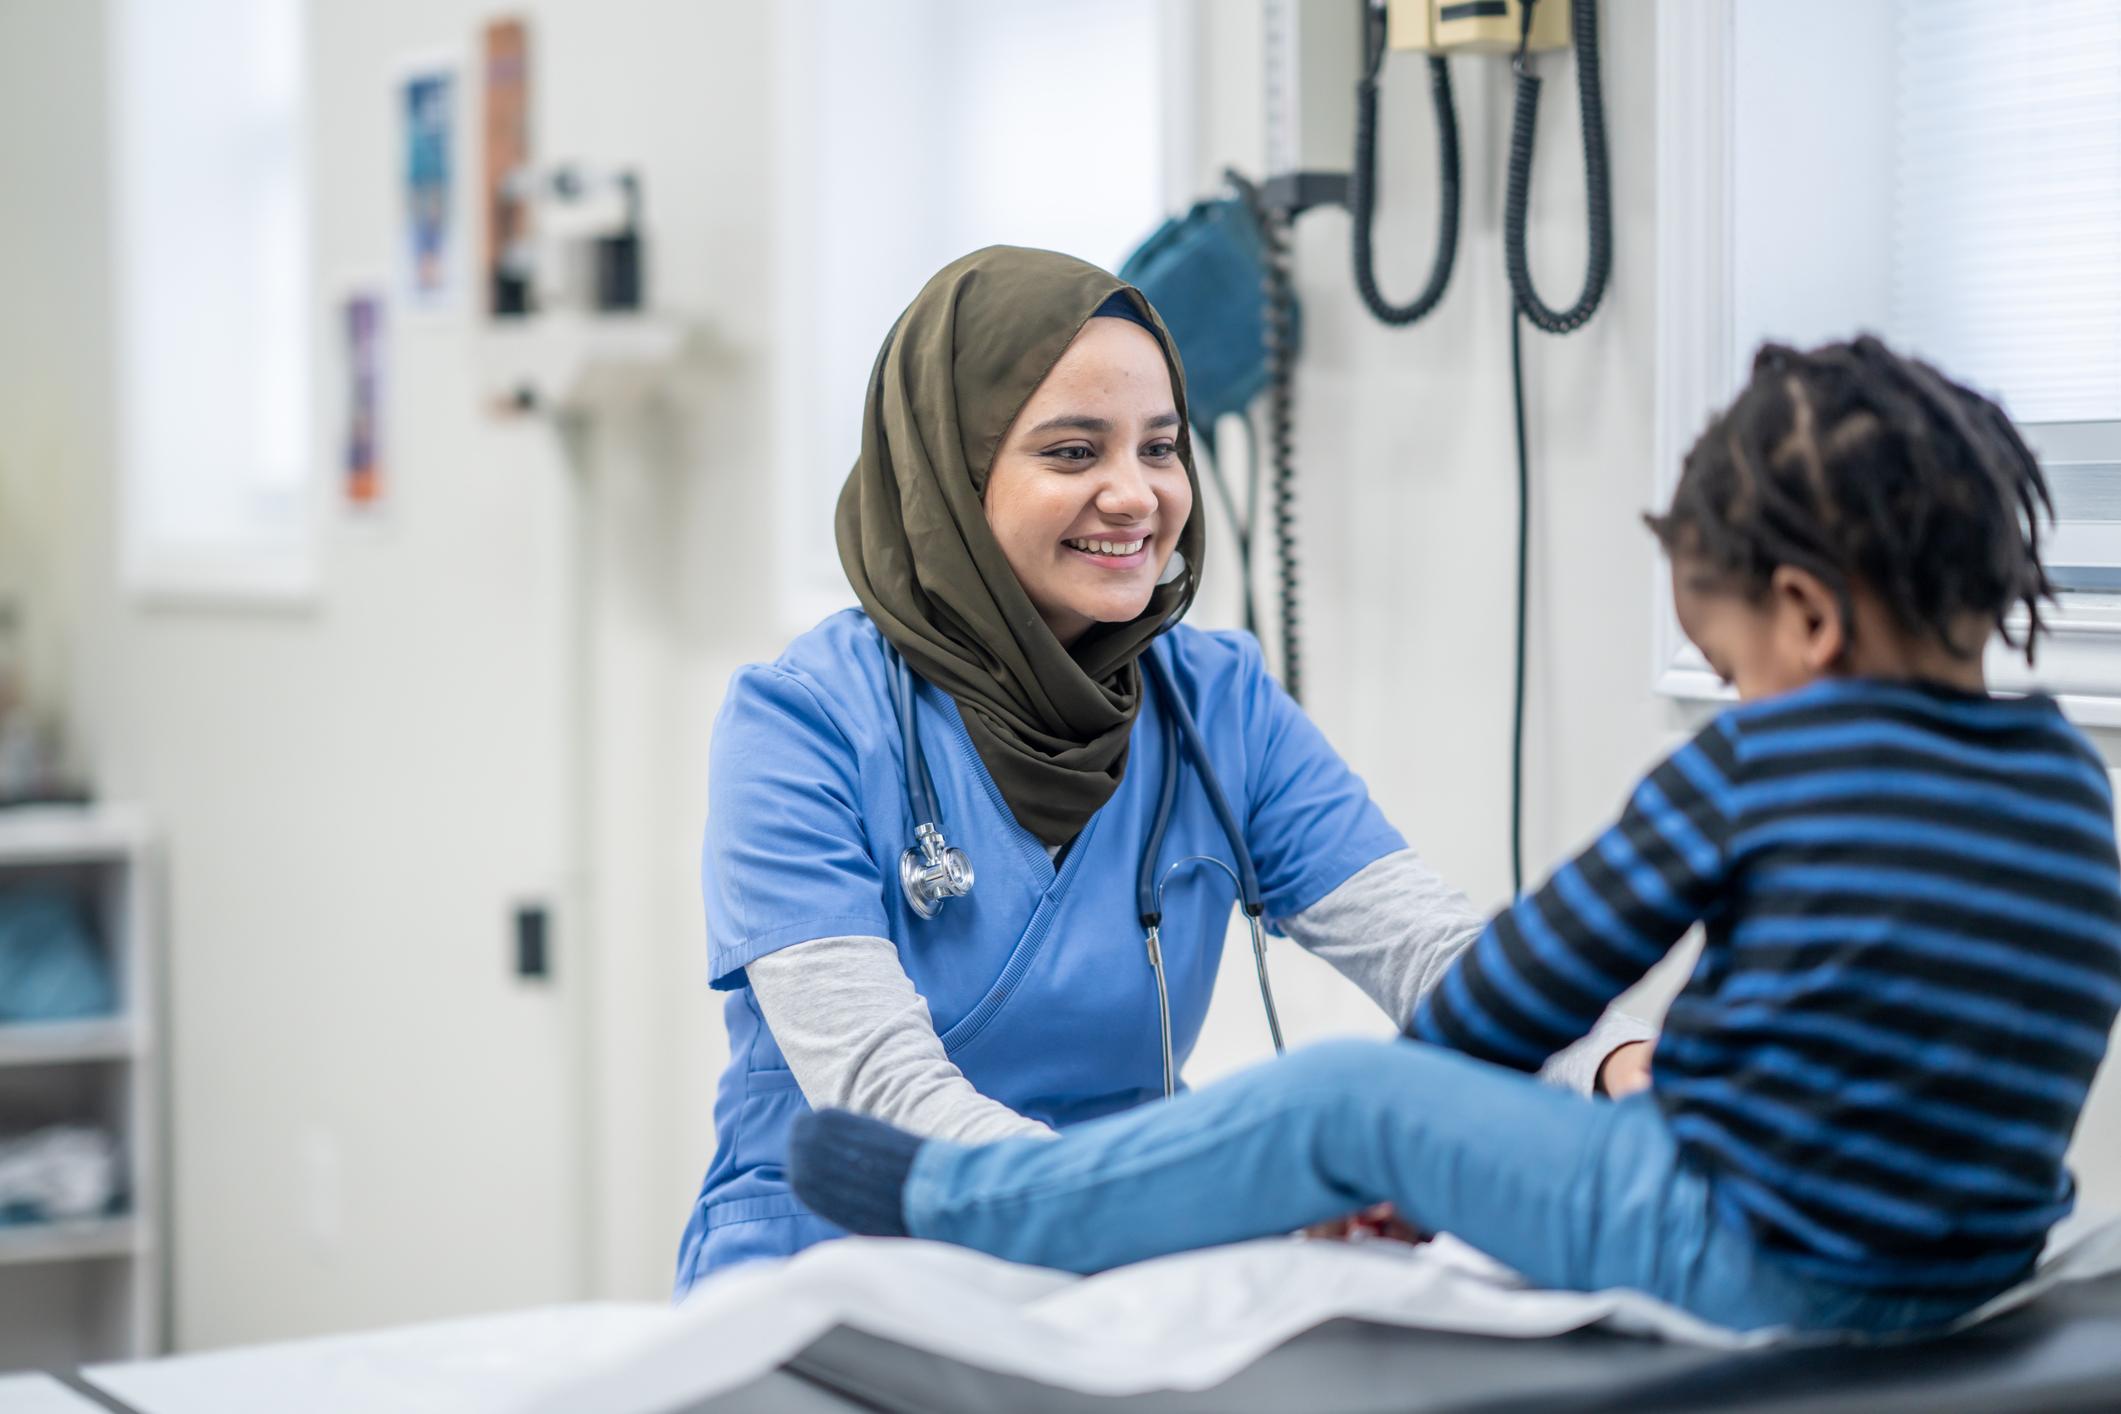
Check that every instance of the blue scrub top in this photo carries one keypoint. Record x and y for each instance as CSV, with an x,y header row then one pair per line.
x,y
1037,980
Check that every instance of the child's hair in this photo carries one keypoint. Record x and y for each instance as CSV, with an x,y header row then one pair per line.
x,y
1865,467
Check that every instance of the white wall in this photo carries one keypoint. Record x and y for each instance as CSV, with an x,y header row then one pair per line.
x,y
357,793
1408,494
54,309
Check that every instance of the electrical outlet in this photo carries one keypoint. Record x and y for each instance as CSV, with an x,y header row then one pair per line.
x,y
533,939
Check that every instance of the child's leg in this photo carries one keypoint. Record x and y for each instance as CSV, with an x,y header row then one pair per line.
x,y
1575,1194
1495,1157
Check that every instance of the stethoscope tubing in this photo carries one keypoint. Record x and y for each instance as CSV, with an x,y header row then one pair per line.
x,y
1149,885
1189,734
920,789
1184,739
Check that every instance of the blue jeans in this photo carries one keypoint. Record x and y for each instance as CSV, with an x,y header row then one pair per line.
x,y
1576,1194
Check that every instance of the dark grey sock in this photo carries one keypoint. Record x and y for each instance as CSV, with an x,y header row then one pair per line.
x,y
851,1170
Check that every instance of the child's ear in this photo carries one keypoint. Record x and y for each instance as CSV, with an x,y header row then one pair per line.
x,y
1813,615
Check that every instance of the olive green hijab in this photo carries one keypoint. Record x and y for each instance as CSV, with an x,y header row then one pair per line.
x,y
1050,722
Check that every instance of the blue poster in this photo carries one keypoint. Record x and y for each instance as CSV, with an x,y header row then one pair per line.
x,y
430,238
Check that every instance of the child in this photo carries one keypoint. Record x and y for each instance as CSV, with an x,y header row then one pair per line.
x,y
1912,957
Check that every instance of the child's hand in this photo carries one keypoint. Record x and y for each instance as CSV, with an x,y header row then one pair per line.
x,y
1627,1070
1380,1220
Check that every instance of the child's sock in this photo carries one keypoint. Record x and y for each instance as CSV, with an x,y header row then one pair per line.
x,y
851,1170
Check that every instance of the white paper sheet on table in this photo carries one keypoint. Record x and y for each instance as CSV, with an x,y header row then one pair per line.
x,y
1180,1323
471,1365
29,1392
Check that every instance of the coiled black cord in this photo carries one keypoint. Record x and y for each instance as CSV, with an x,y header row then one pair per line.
x,y
1280,294
1583,20
1362,180
1242,522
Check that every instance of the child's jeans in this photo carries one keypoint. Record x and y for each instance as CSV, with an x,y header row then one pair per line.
x,y
1574,1193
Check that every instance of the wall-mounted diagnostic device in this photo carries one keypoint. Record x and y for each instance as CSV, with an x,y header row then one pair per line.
x,y
1175,267
1475,26
587,255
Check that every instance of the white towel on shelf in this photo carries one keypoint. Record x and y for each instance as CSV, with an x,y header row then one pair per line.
x,y
60,1172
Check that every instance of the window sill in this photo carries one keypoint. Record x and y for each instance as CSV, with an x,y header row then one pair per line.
x,y
2079,660
2079,665
250,578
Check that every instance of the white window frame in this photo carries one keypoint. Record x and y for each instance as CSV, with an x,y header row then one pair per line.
x,y
269,559
1696,372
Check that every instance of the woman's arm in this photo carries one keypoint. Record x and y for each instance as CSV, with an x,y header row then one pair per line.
x,y
1342,882
1395,928
857,1036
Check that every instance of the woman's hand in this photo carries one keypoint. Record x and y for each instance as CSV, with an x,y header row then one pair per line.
x,y
1379,1220
1627,1070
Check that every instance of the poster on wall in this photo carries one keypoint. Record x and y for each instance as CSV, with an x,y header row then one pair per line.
x,y
506,169
428,244
362,481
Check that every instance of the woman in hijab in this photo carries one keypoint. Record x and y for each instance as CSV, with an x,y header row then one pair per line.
x,y
1019,530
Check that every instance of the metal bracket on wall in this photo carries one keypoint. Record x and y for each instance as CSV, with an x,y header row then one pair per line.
x,y
1293,193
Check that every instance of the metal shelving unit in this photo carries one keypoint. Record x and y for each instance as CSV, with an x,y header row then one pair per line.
x,y
91,1289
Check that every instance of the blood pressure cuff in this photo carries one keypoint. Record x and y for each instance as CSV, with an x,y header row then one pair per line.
x,y
1205,272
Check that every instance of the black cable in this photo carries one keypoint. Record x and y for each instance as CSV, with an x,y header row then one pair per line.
x,y
1524,560
1281,436
1583,18
1525,304
1240,527
1253,464
1362,179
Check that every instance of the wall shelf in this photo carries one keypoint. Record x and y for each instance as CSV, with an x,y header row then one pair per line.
x,y
69,834
66,1042
78,1240
570,364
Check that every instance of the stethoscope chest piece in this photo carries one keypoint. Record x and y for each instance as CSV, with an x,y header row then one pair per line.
x,y
932,870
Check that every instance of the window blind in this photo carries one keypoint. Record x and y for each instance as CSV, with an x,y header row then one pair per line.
x,y
2006,204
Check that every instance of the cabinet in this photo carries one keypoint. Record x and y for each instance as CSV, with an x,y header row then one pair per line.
x,y
89,1289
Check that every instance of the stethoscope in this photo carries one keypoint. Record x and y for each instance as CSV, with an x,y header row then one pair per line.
x,y
932,871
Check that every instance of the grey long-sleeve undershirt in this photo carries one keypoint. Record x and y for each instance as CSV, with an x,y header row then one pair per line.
x,y
1394,930
857,1035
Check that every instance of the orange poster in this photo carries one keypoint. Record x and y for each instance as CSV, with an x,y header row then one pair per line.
x,y
507,168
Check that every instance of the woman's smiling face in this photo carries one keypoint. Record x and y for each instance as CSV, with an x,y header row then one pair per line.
x,y
1087,494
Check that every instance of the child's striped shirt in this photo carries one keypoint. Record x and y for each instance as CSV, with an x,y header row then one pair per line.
x,y
1911,966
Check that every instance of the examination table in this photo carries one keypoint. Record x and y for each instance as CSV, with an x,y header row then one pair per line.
x,y
2062,1353
1255,1327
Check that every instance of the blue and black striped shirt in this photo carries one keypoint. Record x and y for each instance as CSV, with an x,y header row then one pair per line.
x,y
1910,970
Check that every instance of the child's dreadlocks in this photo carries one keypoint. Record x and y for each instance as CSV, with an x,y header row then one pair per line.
x,y
1862,466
